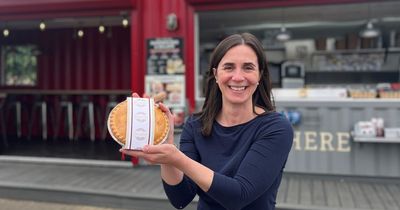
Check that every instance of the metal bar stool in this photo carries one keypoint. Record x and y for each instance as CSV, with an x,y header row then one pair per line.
x,y
2,120
112,102
85,104
64,111
41,106
13,103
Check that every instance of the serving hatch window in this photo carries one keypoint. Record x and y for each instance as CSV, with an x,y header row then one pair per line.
x,y
19,65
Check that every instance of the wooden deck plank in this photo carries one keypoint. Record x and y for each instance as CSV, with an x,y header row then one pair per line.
x,y
99,179
282,191
394,190
136,184
359,198
89,176
8,170
150,180
114,182
77,178
332,195
68,176
293,191
95,178
387,198
61,176
26,176
345,195
305,192
318,193
372,196
11,171
154,185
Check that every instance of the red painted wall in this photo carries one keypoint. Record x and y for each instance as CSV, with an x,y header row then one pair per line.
x,y
29,9
149,21
96,61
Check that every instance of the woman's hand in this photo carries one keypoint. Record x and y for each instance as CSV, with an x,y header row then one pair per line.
x,y
165,109
135,95
170,139
157,154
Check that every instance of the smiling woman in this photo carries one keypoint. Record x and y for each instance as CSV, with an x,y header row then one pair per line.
x,y
233,152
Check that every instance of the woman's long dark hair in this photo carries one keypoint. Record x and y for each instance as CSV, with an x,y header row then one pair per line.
x,y
213,97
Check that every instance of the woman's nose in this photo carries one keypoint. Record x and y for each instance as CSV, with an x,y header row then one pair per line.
x,y
237,75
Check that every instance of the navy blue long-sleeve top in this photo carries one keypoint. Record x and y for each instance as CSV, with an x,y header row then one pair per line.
x,y
247,160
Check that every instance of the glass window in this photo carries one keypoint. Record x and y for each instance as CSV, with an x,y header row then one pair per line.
x,y
19,65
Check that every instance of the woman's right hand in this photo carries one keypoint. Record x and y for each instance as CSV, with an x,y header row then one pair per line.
x,y
166,110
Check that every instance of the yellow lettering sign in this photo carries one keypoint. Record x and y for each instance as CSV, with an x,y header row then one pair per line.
x,y
296,140
311,143
343,142
321,141
326,141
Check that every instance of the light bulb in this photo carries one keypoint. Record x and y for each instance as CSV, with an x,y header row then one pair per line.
x,y
125,22
102,29
42,26
80,33
6,32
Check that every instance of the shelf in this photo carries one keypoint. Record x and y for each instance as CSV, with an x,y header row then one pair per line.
x,y
354,72
376,139
351,51
394,49
331,77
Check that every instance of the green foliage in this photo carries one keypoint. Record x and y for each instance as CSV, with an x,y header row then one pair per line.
x,y
20,64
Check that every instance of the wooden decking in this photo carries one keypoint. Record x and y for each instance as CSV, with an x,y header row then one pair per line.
x,y
339,192
117,184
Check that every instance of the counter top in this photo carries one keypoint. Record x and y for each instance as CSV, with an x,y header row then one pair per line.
x,y
64,92
339,100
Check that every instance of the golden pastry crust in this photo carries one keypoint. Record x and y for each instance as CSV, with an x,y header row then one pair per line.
x,y
117,123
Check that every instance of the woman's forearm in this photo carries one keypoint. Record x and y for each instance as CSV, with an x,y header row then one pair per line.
x,y
170,174
197,172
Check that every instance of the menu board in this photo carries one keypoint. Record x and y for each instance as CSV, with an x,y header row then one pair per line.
x,y
173,85
164,56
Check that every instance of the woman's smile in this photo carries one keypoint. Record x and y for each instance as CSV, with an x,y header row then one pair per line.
x,y
237,88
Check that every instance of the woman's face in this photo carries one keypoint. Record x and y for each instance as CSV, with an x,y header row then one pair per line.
x,y
237,75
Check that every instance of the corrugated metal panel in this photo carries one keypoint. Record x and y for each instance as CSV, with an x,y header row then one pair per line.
x,y
92,62
325,123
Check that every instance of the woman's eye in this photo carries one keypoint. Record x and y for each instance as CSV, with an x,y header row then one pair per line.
x,y
228,68
249,68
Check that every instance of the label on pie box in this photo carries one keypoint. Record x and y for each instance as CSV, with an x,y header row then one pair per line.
x,y
140,123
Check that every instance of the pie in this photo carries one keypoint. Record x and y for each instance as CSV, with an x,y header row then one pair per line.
x,y
117,120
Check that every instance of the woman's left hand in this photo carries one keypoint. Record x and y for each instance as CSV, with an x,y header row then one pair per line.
x,y
156,154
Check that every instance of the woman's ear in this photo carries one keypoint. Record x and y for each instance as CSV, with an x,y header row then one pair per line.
x,y
215,73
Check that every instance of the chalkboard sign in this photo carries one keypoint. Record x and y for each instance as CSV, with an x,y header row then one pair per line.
x,y
164,56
